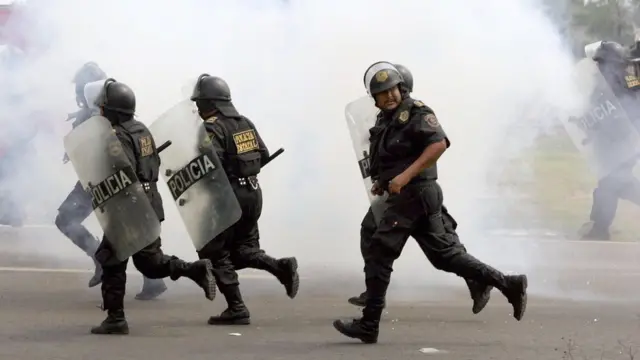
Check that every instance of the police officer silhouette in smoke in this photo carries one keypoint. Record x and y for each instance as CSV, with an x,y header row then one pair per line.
x,y
117,103
76,208
242,153
619,66
405,145
480,294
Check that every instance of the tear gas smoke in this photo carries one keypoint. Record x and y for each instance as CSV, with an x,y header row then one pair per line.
x,y
484,66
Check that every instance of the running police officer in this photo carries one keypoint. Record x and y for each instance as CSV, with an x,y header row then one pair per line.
x,y
76,208
404,151
480,294
242,153
620,69
117,103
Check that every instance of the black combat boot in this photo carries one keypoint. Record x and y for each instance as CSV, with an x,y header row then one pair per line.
x,y
594,231
114,324
360,300
516,293
151,289
480,293
236,312
289,275
201,272
365,329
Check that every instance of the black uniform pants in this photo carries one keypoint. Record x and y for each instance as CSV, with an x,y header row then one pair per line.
x,y
619,185
238,247
417,211
75,209
368,228
150,261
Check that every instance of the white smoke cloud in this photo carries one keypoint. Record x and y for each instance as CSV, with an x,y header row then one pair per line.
x,y
292,67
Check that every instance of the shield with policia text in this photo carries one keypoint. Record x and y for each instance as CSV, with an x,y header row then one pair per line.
x,y
361,116
119,201
601,130
197,182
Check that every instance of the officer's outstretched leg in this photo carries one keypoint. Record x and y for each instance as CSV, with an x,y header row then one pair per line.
x,y
151,289
367,229
217,252
245,245
447,253
74,210
154,264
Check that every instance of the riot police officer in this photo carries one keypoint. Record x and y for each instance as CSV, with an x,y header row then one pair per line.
x,y
480,294
117,103
621,73
242,153
404,150
76,208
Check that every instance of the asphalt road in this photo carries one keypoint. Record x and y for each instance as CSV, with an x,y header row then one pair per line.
x,y
46,312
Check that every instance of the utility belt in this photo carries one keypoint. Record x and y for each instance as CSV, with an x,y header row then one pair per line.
x,y
149,187
249,181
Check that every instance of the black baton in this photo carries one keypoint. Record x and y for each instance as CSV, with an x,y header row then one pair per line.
x,y
164,146
273,156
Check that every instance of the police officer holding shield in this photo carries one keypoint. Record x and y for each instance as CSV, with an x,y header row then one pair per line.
x,y
76,208
117,103
480,294
619,66
404,150
242,153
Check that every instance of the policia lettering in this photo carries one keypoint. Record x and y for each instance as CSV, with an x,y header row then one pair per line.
x,y
593,120
112,186
194,171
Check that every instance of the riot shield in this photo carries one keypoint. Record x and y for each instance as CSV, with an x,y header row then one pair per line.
x,y
195,177
361,116
119,201
601,128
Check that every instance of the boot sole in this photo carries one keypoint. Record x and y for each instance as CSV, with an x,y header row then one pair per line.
x,y
122,332
338,325
295,282
246,321
210,291
523,298
356,301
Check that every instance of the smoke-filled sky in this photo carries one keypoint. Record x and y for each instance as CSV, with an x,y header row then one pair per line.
x,y
292,67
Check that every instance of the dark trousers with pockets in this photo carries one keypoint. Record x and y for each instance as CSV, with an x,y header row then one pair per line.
x,y
150,261
417,211
238,247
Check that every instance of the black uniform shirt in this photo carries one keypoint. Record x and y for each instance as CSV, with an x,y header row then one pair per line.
x,y
140,147
238,145
400,137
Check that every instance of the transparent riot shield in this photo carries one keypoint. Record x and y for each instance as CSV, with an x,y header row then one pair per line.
x,y
194,174
119,201
361,116
601,128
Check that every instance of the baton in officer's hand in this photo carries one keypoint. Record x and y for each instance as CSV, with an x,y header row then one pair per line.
x,y
273,156
164,146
